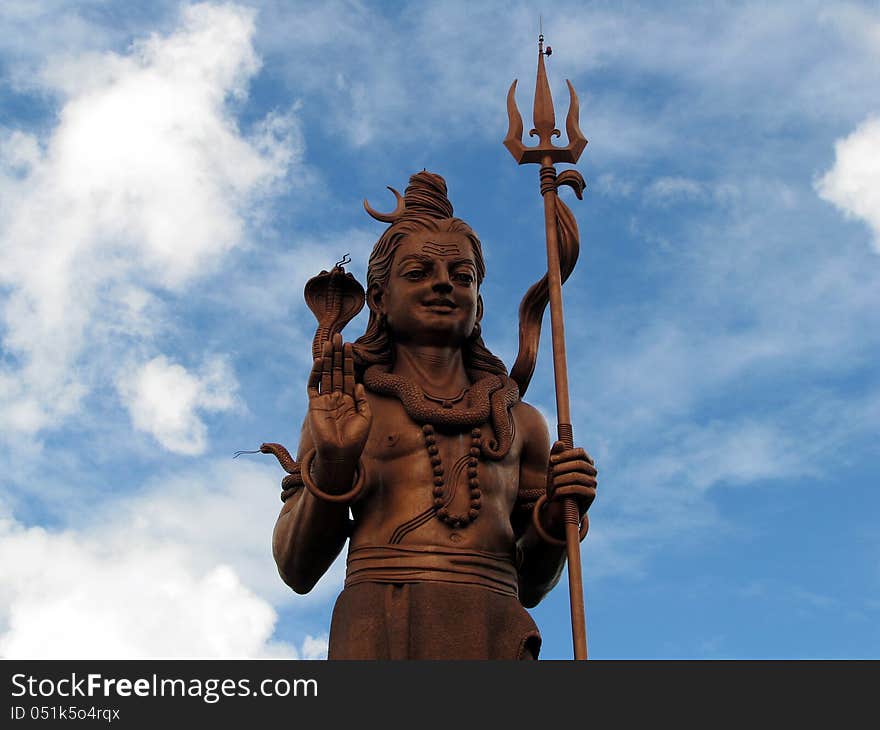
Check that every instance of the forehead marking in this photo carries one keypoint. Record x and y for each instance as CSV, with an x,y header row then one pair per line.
x,y
441,249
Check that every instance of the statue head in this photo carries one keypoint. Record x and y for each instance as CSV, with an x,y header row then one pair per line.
x,y
423,227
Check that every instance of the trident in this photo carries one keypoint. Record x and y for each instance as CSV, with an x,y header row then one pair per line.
x,y
555,215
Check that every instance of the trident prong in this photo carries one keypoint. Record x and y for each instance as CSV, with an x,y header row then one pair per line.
x,y
545,124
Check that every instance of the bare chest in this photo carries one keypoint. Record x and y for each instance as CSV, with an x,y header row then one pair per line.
x,y
434,485
395,438
402,457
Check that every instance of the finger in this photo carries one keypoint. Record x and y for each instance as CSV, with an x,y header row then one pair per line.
x,y
567,455
315,377
348,370
579,465
337,362
327,368
566,480
558,448
360,400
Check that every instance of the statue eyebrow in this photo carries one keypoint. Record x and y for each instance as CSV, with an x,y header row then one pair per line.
x,y
421,258
463,262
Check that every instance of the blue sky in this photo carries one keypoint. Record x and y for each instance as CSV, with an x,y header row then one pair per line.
x,y
171,176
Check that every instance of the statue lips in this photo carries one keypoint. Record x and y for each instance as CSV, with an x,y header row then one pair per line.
x,y
443,306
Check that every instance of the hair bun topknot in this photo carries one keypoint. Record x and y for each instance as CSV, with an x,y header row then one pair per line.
x,y
426,195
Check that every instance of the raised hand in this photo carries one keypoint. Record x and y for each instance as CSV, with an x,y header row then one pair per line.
x,y
339,414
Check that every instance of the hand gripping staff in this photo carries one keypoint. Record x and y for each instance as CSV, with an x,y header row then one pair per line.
x,y
562,253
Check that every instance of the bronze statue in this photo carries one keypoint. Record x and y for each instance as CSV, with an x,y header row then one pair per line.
x,y
418,449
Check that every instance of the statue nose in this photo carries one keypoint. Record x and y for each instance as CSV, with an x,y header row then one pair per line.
x,y
442,281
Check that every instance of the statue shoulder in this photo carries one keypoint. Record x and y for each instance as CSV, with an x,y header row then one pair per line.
x,y
530,422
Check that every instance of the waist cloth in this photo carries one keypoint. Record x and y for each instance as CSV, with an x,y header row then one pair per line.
x,y
427,602
416,564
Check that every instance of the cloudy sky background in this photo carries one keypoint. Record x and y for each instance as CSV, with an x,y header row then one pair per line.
x,y
171,176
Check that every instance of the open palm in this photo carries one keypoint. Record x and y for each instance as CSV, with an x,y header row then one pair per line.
x,y
339,414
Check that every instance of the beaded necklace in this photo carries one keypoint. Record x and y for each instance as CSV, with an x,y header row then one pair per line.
x,y
442,499
489,400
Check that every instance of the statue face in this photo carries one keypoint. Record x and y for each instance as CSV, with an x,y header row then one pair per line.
x,y
431,296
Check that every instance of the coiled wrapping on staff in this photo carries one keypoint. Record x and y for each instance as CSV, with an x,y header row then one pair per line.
x,y
533,304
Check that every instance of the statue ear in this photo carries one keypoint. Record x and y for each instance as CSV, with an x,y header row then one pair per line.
x,y
479,307
375,299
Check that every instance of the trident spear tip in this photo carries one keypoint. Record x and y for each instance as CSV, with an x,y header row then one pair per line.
x,y
545,122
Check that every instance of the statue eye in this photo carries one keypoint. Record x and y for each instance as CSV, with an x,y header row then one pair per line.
x,y
414,274
463,277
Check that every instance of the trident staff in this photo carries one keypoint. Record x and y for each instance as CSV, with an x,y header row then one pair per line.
x,y
562,250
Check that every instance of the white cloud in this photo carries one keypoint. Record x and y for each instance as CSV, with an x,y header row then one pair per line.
x,y
428,74
673,189
697,458
315,647
68,595
144,184
19,152
183,569
612,186
667,189
853,183
222,512
658,495
163,399
36,29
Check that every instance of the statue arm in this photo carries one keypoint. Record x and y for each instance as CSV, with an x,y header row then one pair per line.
x,y
311,530
309,533
540,563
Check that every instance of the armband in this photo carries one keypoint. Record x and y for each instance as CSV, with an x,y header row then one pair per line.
x,y
546,536
349,496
